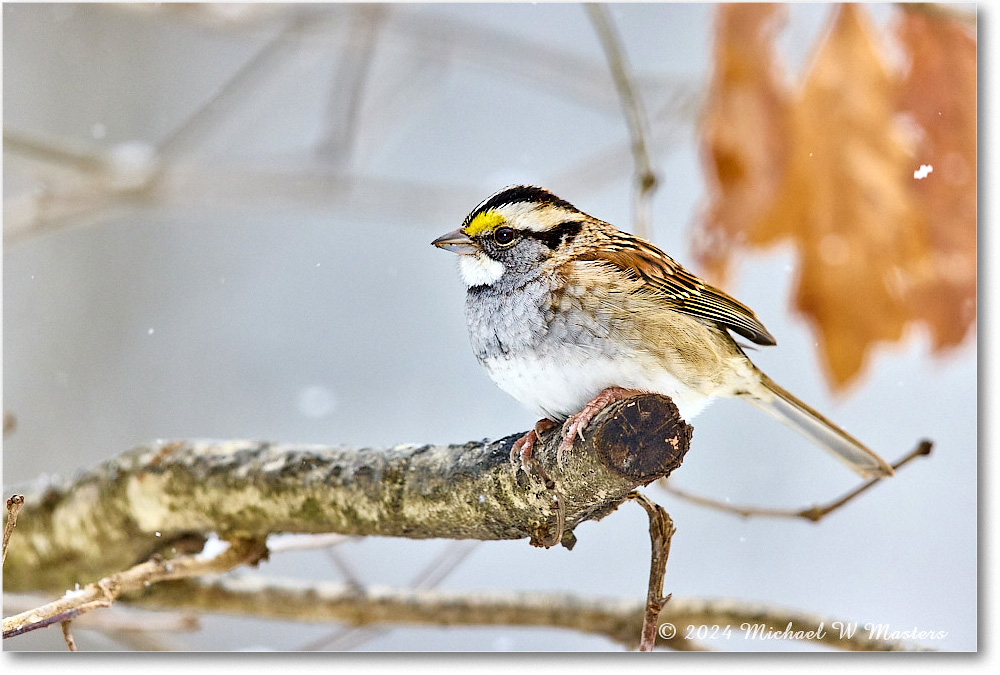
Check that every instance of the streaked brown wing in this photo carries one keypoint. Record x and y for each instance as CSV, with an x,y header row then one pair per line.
x,y
680,290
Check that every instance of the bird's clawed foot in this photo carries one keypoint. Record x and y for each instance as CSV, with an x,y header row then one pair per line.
x,y
520,453
575,424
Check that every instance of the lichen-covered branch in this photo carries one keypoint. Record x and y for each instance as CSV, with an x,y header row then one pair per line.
x,y
616,618
169,494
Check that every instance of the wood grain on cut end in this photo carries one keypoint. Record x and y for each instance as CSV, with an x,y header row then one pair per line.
x,y
642,437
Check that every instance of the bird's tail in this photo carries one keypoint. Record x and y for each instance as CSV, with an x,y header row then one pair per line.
x,y
794,413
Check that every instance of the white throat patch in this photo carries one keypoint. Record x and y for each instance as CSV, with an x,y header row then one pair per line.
x,y
479,269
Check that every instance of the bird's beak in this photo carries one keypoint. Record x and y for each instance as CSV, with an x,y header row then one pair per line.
x,y
456,241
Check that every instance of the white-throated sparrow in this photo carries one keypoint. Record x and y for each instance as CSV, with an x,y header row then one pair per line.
x,y
567,314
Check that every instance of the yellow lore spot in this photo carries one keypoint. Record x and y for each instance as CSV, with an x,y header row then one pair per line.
x,y
483,222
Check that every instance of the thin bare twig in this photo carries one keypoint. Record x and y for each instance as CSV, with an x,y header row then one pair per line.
x,y
283,543
116,618
661,530
347,90
62,151
813,513
605,165
538,62
104,592
14,505
429,577
135,629
635,117
67,205
68,636
347,572
247,80
9,423
444,564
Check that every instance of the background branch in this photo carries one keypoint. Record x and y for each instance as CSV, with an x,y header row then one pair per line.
x,y
617,619
135,629
349,83
430,576
635,117
105,591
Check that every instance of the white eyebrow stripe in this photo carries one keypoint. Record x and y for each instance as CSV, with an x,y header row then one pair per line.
x,y
535,217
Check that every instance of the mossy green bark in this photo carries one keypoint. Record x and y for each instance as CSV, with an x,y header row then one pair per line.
x,y
154,497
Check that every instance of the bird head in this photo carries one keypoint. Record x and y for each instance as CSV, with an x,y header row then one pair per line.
x,y
517,229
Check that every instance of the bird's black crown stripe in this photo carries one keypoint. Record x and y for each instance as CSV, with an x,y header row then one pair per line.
x,y
517,195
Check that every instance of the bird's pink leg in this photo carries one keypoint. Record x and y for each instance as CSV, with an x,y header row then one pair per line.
x,y
522,447
575,424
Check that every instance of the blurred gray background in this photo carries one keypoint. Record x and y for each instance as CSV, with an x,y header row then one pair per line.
x,y
217,224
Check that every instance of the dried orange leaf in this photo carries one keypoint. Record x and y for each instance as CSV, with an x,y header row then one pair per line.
x,y
883,221
744,131
939,94
846,202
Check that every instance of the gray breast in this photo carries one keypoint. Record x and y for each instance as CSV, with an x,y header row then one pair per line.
x,y
507,318
516,315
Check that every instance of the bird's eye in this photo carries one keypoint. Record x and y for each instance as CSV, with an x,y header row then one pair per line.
x,y
503,235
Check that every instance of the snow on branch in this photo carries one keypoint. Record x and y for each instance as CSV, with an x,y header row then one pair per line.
x,y
176,494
